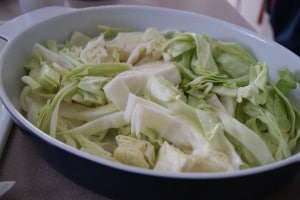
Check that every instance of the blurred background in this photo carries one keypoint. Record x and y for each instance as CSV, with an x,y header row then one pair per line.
x,y
255,13
275,19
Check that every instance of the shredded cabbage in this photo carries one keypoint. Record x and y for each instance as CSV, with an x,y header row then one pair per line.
x,y
168,101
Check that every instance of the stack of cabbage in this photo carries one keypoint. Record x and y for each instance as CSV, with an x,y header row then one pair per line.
x,y
169,101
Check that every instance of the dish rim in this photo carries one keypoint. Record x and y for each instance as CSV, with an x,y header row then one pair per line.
x,y
25,124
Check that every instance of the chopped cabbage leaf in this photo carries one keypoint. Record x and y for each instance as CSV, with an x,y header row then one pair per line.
x,y
132,151
170,159
134,81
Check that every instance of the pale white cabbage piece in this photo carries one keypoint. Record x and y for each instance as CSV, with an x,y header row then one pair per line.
x,y
170,159
85,113
42,52
94,149
113,120
124,43
134,100
173,128
207,160
214,130
31,104
149,49
254,144
134,81
135,152
256,90
95,52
